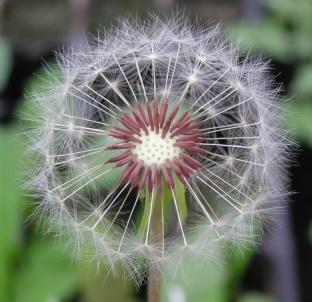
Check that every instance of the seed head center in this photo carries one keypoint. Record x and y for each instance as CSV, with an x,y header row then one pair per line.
x,y
154,149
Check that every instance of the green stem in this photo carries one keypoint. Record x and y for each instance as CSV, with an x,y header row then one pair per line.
x,y
154,277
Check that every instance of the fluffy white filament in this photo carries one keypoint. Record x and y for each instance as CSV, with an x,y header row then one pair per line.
x,y
230,199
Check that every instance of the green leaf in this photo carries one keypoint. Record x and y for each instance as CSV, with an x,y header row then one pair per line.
x,y
10,208
146,203
256,297
267,36
298,121
103,286
237,264
46,274
291,11
207,280
302,45
179,191
302,82
198,282
166,197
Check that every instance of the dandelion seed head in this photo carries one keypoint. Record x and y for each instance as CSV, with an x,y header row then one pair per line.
x,y
158,119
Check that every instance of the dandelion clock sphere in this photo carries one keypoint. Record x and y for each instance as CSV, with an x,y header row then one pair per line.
x,y
157,140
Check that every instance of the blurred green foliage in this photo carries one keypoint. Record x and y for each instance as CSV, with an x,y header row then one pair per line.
x,y
30,270
256,297
200,281
284,34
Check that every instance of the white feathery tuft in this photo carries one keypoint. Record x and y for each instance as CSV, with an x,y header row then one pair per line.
x,y
230,199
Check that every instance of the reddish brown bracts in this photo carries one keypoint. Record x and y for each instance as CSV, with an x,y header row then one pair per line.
x,y
156,145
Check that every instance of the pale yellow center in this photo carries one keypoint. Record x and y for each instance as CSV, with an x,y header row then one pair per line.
x,y
156,150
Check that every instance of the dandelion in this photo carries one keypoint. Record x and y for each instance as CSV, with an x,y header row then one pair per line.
x,y
156,141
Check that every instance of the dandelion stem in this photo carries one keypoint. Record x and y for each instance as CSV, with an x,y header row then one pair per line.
x,y
154,277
